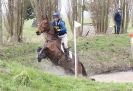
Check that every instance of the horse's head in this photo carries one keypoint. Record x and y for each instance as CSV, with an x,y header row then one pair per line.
x,y
41,54
43,26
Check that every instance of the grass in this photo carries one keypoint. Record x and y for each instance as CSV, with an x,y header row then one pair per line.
x,y
22,78
103,42
24,53
105,53
18,70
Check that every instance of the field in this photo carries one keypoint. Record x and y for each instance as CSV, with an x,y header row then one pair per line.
x,y
20,71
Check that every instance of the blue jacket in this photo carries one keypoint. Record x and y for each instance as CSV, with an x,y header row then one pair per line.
x,y
61,25
117,17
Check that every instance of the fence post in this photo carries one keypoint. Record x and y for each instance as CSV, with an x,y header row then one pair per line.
x,y
76,25
131,42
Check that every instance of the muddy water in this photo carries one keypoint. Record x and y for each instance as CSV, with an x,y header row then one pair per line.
x,y
118,77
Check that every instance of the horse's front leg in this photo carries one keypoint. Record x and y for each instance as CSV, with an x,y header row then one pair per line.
x,y
41,53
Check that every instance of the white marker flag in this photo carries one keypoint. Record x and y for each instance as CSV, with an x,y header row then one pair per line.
x,y
76,25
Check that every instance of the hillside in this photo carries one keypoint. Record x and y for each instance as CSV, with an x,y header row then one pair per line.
x,y
17,77
19,70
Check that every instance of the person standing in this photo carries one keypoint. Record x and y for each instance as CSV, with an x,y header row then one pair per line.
x,y
118,20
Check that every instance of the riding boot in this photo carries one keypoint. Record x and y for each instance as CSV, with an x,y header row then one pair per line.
x,y
66,53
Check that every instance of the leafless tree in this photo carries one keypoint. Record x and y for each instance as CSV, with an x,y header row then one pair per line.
x,y
74,13
100,11
14,20
131,11
43,8
125,15
70,12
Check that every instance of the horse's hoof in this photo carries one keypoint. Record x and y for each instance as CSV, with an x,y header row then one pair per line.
x,y
92,79
38,33
39,60
39,49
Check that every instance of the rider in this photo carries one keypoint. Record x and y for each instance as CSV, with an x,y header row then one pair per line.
x,y
61,31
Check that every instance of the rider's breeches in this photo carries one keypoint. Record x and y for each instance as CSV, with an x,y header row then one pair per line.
x,y
64,41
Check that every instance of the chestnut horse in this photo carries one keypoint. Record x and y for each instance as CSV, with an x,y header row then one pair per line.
x,y
52,50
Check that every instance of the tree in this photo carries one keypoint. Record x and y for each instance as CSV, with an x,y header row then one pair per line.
x,y
131,11
43,8
74,13
1,22
14,20
79,15
100,11
83,8
71,12
124,5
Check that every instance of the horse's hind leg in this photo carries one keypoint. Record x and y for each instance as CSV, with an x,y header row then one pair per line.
x,y
82,69
70,71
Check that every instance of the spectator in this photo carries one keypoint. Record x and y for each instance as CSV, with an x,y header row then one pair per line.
x,y
117,19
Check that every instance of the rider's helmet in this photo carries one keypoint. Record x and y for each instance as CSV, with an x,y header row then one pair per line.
x,y
119,10
56,14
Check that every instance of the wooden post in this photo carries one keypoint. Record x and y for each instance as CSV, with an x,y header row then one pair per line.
x,y
76,25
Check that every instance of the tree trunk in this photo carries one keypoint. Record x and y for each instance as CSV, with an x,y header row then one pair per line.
x,y
82,22
14,20
1,39
125,16
126,19
72,12
79,15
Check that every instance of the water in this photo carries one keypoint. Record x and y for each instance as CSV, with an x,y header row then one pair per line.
x,y
117,77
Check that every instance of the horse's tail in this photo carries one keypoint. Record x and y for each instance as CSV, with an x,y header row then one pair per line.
x,y
83,70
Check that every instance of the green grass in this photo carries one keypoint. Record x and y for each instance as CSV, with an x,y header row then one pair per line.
x,y
24,53
19,50
21,78
19,73
105,53
103,42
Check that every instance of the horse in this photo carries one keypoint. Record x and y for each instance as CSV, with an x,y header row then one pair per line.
x,y
52,50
